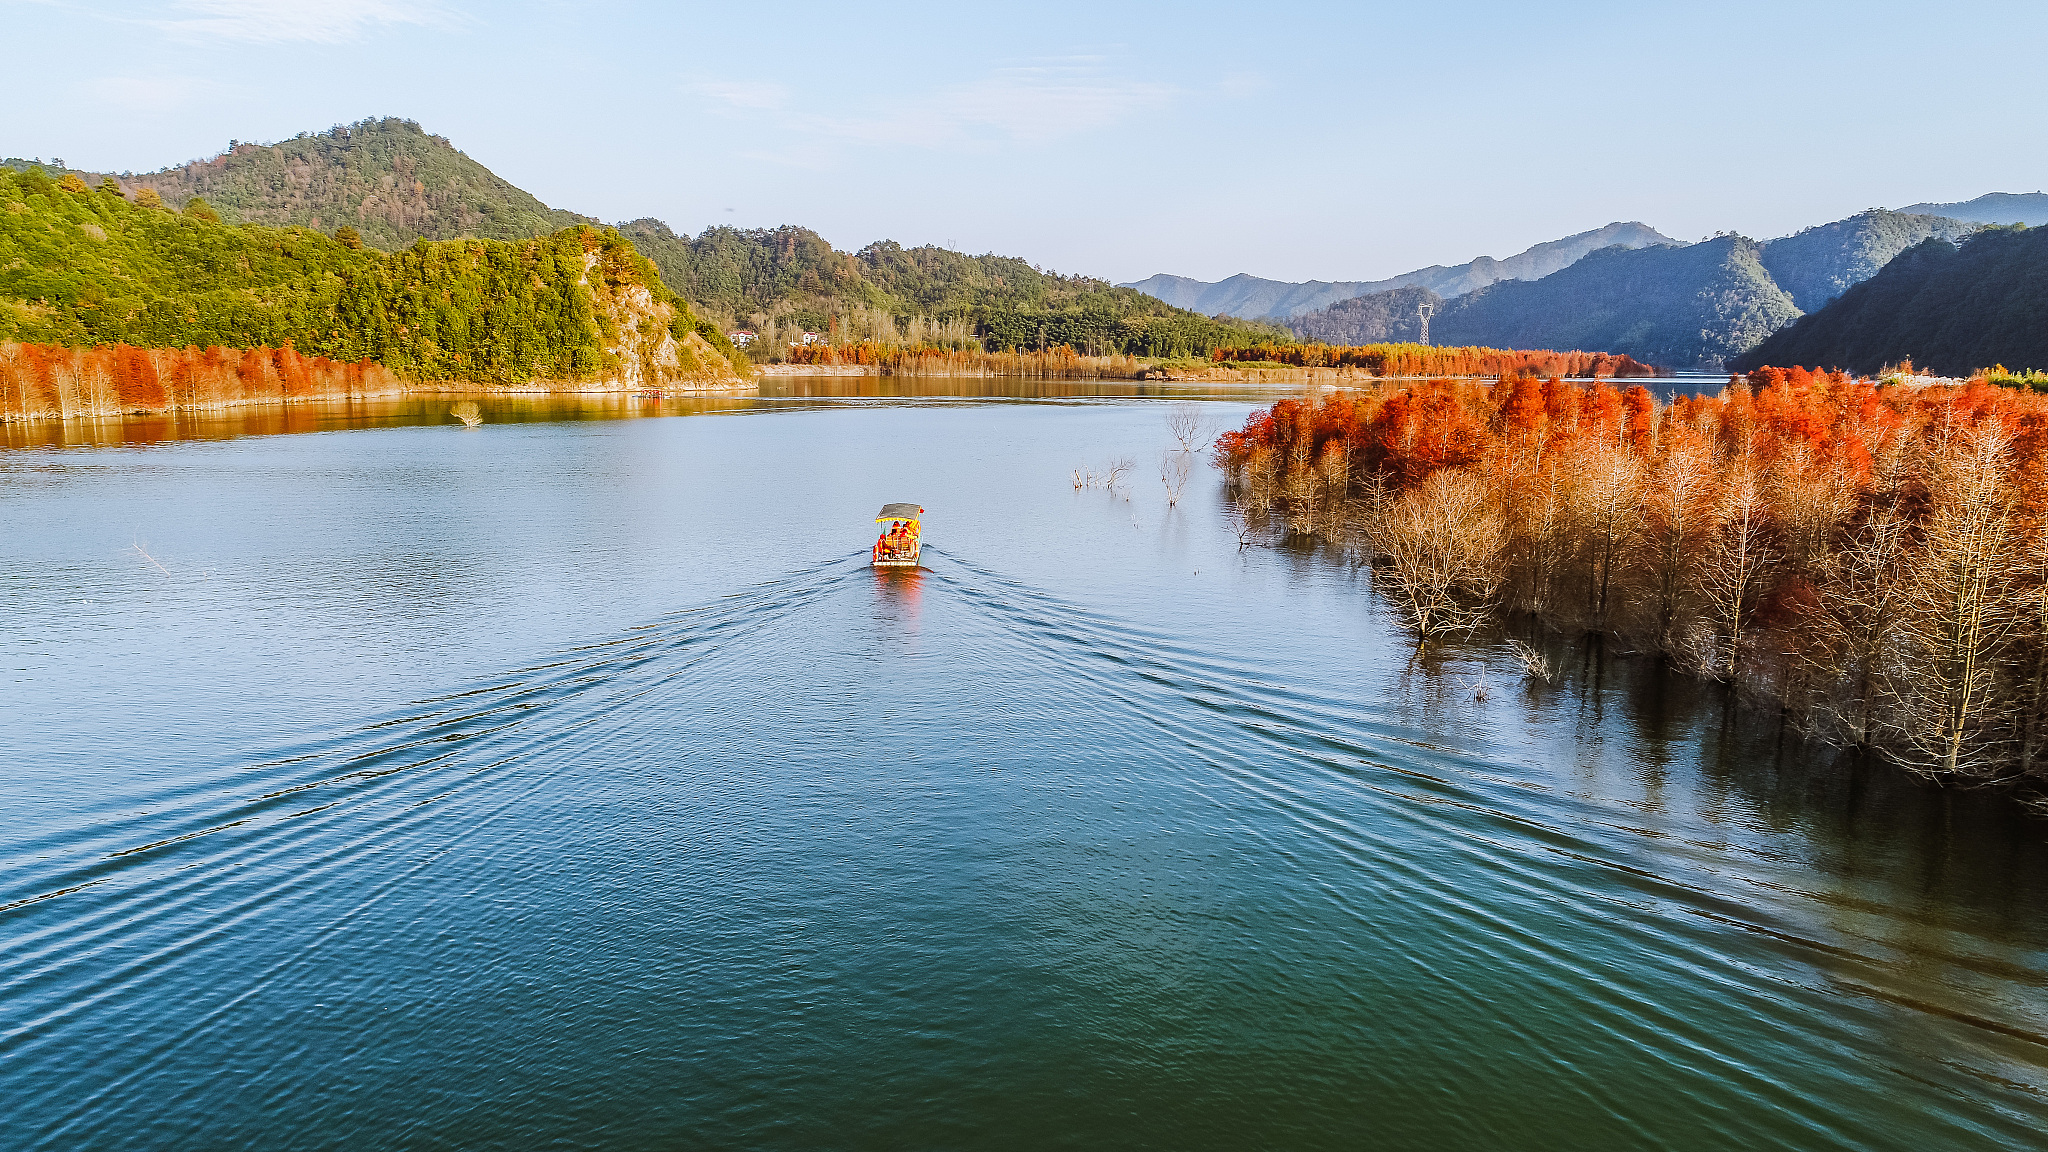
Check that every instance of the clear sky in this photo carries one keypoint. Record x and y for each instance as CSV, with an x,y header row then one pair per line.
x,y
1295,141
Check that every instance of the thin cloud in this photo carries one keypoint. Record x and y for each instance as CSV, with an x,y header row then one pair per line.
x,y
151,93
1037,104
1026,105
744,95
280,21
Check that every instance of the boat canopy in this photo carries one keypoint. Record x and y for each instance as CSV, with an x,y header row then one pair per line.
x,y
898,512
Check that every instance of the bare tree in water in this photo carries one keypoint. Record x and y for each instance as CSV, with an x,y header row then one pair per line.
x,y
1441,542
1862,603
1959,612
1190,428
1176,467
1731,574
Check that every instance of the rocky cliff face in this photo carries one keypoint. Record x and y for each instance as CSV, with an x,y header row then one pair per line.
x,y
644,346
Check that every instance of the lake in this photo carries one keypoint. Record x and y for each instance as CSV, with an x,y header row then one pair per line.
x,y
571,781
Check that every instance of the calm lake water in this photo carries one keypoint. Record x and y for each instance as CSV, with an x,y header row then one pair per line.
x,y
571,782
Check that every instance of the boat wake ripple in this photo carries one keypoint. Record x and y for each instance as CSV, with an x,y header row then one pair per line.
x,y
1469,870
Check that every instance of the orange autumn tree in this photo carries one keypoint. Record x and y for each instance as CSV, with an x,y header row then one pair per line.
x,y
1430,360
1872,560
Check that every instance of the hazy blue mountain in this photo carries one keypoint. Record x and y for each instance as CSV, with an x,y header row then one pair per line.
x,y
1820,263
2029,208
1251,296
1398,315
1675,307
1948,307
1689,306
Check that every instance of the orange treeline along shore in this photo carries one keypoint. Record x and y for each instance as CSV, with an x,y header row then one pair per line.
x,y
1368,359
44,381
1430,360
1868,561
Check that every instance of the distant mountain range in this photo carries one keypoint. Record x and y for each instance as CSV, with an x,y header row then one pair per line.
x,y
1952,308
1672,305
1624,288
1685,306
2029,208
1250,296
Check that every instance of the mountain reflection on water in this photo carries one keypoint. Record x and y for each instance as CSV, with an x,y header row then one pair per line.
x,y
572,780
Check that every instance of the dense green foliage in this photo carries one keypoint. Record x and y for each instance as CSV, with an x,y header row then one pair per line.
x,y
1946,307
1674,307
2031,380
493,312
388,179
739,274
90,267
1820,263
792,278
1398,316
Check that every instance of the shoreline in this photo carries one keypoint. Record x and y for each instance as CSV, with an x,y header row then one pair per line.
x,y
1217,375
443,388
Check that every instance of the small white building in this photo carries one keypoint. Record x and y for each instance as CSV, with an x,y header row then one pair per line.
x,y
808,338
740,339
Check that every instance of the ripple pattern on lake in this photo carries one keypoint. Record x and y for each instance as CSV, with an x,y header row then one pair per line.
x,y
948,859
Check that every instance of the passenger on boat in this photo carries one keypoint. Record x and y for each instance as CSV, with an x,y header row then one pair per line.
x,y
895,542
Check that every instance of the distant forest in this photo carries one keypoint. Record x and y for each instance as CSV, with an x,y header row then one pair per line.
x,y
782,282
1952,308
1400,316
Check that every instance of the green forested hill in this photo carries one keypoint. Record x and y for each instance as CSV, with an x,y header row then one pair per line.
x,y
1952,308
1820,263
394,184
1674,307
389,179
783,281
81,266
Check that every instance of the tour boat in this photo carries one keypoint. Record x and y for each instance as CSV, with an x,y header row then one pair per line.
x,y
897,547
